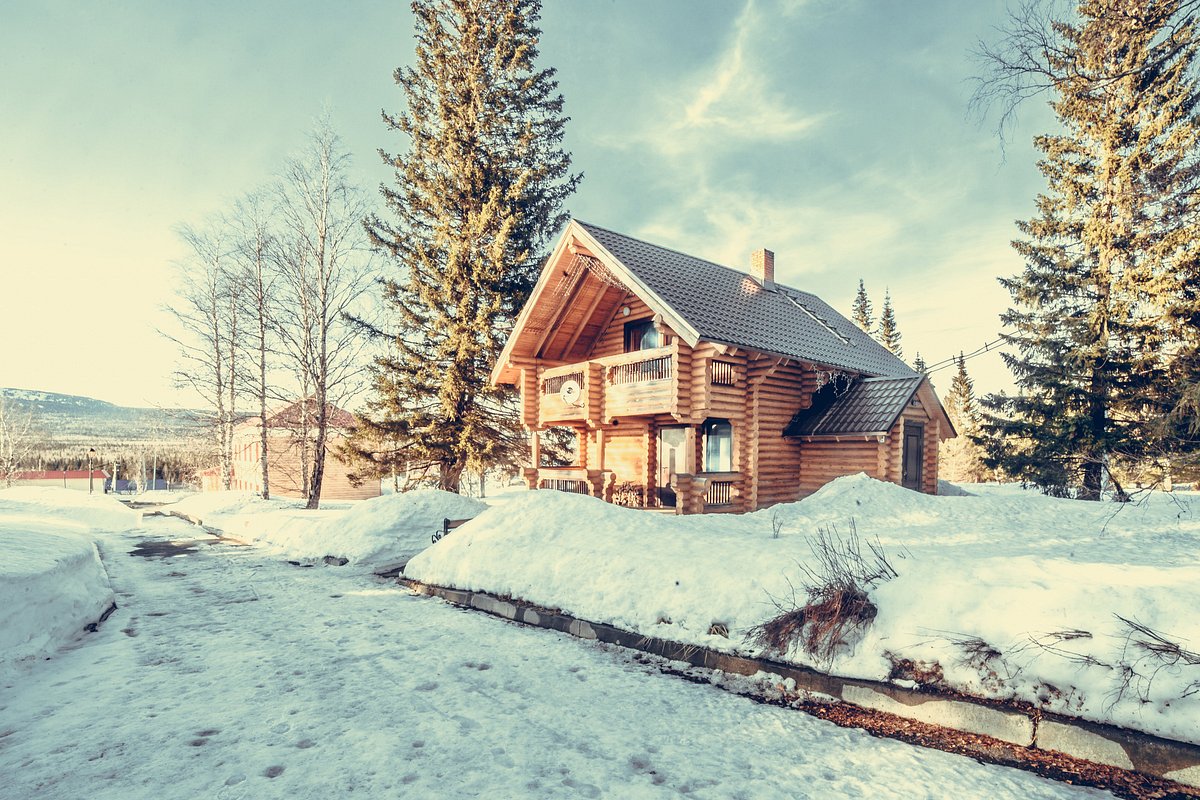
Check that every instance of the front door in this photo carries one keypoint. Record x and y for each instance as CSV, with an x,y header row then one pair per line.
x,y
914,451
670,460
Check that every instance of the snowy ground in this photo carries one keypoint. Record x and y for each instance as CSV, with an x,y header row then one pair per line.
x,y
227,673
383,531
52,582
1007,594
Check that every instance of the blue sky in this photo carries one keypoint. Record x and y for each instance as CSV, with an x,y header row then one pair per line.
x,y
834,133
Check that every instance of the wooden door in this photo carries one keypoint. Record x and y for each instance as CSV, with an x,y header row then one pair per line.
x,y
671,440
914,455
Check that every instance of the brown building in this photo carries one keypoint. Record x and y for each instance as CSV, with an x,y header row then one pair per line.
x,y
284,454
699,388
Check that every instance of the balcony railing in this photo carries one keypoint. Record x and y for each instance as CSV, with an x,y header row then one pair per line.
x,y
650,369
719,493
554,383
629,384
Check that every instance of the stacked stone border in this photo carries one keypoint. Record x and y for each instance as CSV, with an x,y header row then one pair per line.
x,y
1018,724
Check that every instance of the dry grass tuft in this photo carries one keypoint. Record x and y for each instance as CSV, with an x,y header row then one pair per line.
x,y
836,588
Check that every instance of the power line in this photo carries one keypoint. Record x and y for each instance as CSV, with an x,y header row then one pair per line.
x,y
952,360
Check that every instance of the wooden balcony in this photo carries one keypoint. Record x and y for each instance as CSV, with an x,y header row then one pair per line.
x,y
557,405
641,382
630,384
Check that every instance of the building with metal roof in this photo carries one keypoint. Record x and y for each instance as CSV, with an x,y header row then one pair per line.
x,y
740,391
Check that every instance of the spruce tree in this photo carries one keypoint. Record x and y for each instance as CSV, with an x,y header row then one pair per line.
x,y
961,458
919,364
888,334
861,313
960,400
1113,231
478,193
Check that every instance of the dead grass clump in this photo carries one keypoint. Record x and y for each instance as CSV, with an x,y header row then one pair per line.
x,y
922,673
836,589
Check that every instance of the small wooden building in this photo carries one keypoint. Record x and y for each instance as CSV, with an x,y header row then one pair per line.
x,y
284,453
695,388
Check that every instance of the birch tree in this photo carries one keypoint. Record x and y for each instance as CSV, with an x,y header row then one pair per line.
x,y
19,438
256,258
208,315
325,270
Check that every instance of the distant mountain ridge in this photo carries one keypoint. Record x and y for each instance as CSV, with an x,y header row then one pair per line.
x,y
73,418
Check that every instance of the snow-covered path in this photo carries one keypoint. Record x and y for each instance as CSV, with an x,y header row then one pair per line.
x,y
227,675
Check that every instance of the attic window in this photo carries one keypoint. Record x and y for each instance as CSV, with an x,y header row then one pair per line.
x,y
641,335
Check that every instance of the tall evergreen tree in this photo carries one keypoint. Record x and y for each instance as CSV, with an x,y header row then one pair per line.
x,y
1104,253
888,334
478,194
919,364
861,312
962,458
960,400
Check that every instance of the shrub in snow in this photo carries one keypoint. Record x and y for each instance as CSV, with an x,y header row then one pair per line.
x,y
837,587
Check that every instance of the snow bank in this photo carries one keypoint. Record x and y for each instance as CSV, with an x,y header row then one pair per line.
x,y
52,582
384,530
1038,580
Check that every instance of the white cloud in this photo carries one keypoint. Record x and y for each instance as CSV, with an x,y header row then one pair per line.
x,y
727,105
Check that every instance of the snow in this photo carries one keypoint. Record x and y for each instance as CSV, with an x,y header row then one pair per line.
x,y
385,530
52,582
227,673
1013,569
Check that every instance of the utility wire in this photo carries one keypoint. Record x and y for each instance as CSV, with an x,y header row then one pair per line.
x,y
952,360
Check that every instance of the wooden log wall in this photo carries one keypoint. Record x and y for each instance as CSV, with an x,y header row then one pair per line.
x,y
612,341
772,468
625,452
824,460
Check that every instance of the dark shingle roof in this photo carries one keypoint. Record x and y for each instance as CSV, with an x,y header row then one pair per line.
x,y
728,306
866,405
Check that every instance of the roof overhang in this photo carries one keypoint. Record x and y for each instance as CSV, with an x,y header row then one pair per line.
x,y
575,240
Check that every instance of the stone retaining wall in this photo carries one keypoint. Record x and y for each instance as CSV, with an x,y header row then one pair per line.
x,y
1018,724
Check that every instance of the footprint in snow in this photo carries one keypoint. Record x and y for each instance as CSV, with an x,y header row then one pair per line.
x,y
428,686
282,727
273,771
304,744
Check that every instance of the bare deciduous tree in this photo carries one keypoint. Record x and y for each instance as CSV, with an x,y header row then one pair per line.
x,y
324,274
19,437
256,258
208,317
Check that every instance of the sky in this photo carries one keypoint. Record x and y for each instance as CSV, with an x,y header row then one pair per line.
x,y
835,133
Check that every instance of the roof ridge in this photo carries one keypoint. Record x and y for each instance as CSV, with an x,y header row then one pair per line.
x,y
734,270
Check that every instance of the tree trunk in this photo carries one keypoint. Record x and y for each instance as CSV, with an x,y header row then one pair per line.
x,y
262,431
318,470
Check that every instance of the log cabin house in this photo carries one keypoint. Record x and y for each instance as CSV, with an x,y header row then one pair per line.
x,y
693,387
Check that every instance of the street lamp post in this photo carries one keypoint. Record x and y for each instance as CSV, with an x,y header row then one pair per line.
x,y
91,475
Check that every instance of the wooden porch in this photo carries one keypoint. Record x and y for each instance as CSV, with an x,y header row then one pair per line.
x,y
688,493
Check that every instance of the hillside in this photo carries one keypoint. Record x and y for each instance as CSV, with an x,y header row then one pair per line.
x,y
67,418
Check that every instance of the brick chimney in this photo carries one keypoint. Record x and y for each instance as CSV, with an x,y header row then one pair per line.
x,y
762,268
